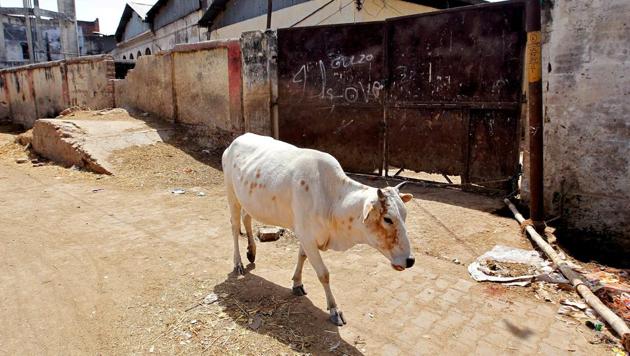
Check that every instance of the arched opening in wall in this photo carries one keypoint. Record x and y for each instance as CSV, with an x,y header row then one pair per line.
x,y
131,56
124,58
147,52
139,54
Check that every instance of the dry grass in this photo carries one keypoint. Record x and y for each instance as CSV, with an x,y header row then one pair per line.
x,y
84,114
166,165
177,163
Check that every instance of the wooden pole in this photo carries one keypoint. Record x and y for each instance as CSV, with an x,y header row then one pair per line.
x,y
535,113
618,324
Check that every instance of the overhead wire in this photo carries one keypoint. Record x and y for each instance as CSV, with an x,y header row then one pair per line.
x,y
334,13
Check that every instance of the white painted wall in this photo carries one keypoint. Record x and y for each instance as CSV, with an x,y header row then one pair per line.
x,y
339,11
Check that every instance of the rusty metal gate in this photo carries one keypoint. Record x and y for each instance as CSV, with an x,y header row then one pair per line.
x,y
437,92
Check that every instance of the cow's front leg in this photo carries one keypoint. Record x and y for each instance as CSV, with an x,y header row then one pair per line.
x,y
298,287
312,252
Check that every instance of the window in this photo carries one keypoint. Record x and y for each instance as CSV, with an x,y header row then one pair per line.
x,y
147,52
124,58
25,53
139,54
131,56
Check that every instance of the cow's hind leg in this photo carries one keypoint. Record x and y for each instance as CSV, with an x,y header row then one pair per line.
x,y
312,252
298,287
235,219
251,244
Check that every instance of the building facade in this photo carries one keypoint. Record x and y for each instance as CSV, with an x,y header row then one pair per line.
x,y
54,35
228,19
149,27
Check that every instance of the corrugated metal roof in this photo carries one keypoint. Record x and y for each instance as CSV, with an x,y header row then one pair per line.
x,y
142,8
213,11
165,12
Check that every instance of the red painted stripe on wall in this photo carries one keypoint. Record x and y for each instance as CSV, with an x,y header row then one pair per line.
x,y
235,85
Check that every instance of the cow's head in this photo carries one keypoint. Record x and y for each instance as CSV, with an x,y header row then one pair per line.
x,y
384,216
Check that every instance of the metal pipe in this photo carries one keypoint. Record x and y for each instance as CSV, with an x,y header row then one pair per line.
x,y
618,324
269,11
535,112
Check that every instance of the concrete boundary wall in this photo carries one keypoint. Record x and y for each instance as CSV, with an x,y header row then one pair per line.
x,y
208,87
90,82
587,126
259,53
149,87
43,90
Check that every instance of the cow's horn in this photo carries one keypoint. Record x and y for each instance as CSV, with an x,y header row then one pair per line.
x,y
399,186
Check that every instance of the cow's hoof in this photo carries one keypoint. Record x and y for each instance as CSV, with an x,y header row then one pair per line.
x,y
299,291
251,256
336,317
239,269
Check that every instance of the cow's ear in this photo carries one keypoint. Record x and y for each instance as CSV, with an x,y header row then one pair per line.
x,y
406,198
368,207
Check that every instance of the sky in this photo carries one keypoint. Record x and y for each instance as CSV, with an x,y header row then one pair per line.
x,y
107,11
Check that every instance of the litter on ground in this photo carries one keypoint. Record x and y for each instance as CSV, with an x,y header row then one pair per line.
x,y
511,266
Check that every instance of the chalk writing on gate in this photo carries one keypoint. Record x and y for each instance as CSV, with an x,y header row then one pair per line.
x,y
339,78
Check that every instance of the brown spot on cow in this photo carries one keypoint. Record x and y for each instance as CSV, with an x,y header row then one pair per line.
x,y
273,198
302,182
325,278
351,219
387,238
306,188
349,227
335,223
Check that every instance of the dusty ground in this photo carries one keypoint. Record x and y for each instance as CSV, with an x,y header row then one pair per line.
x,y
120,265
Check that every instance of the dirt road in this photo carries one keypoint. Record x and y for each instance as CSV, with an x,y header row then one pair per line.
x,y
115,266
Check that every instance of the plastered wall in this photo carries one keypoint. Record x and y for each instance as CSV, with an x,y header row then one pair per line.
x,y
44,90
586,95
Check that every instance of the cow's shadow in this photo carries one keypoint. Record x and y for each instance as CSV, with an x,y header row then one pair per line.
x,y
269,309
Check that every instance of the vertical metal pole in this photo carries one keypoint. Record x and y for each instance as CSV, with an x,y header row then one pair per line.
x,y
384,166
535,112
269,11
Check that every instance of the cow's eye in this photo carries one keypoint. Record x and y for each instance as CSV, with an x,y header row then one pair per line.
x,y
388,220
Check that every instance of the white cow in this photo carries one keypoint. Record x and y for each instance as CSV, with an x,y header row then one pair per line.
x,y
308,192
